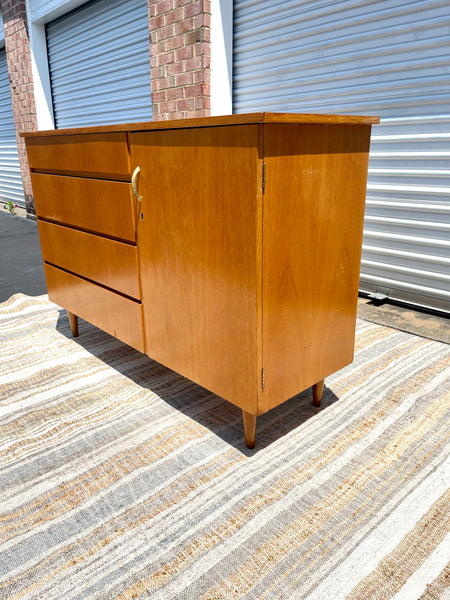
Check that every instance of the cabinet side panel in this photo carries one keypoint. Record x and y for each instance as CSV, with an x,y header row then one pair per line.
x,y
313,221
197,247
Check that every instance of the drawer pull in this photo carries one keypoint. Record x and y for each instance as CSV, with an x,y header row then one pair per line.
x,y
133,183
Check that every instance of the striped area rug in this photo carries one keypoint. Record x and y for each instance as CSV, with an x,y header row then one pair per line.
x,y
120,479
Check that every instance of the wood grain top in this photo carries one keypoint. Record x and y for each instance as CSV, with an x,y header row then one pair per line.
x,y
240,119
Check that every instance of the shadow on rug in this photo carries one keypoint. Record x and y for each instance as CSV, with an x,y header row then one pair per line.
x,y
221,417
121,479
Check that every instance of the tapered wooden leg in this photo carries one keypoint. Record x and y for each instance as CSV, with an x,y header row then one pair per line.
x,y
317,392
249,428
73,320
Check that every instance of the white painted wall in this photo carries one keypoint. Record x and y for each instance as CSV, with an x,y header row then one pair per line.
x,y
221,57
41,77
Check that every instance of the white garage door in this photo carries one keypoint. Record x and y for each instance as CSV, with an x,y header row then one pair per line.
x,y
382,57
99,63
11,189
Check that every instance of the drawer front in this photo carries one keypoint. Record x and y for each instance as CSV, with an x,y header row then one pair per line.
x,y
107,207
108,311
102,155
108,262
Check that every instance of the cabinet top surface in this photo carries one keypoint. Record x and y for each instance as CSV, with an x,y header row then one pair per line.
x,y
239,119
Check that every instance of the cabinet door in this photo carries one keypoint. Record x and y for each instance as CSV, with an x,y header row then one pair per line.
x,y
198,239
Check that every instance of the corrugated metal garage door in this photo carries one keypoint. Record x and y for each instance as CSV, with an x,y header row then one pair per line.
x,y
387,58
100,64
10,179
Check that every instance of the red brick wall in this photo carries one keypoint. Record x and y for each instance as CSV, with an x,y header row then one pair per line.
x,y
180,55
18,56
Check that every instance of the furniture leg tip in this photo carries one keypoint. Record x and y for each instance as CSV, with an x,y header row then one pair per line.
x,y
73,320
249,429
318,392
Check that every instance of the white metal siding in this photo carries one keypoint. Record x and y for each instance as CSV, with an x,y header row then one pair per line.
x,y
10,179
386,57
100,64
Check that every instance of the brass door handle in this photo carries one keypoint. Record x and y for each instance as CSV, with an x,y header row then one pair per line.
x,y
133,183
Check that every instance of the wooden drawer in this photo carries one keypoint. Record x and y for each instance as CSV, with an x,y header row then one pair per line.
x,y
111,312
107,207
108,262
102,155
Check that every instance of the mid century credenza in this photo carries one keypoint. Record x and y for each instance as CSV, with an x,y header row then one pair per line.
x,y
226,248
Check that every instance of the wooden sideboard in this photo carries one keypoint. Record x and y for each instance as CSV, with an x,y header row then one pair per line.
x,y
226,248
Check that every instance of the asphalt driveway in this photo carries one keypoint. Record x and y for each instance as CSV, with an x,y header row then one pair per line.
x,y
21,266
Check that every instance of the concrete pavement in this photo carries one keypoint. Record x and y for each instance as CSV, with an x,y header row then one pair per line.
x,y
413,321
21,266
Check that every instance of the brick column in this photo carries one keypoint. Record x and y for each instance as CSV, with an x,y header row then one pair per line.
x,y
18,57
180,55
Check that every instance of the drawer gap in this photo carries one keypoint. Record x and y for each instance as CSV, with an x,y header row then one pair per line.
x,y
126,177
90,231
